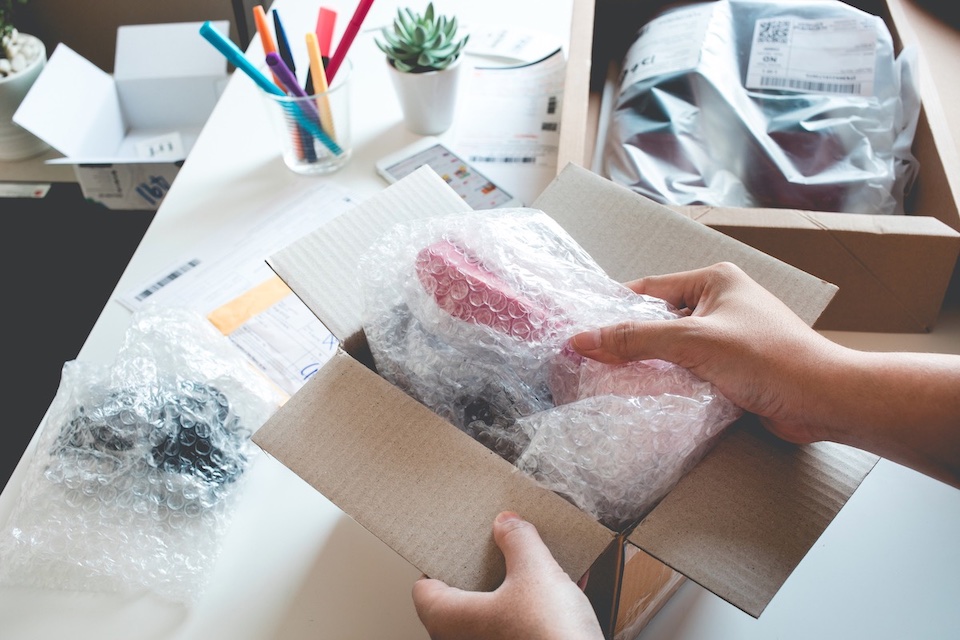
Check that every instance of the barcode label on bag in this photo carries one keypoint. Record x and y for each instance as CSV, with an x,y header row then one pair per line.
x,y
836,56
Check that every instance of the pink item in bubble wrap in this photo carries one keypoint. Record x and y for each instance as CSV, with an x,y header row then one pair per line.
x,y
466,288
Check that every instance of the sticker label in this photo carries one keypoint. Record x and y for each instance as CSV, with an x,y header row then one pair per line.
x,y
835,56
165,147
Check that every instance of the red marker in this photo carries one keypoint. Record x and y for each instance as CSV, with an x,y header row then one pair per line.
x,y
348,36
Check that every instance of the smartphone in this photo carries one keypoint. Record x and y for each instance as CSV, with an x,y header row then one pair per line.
x,y
479,191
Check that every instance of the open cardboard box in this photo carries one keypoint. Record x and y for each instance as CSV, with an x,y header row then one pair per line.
x,y
127,134
737,524
893,271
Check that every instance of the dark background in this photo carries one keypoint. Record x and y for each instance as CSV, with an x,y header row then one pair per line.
x,y
62,257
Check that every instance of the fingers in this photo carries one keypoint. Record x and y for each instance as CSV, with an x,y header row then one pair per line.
x,y
630,341
682,289
685,289
700,292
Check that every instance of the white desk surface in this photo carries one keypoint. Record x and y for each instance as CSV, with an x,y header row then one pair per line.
x,y
294,566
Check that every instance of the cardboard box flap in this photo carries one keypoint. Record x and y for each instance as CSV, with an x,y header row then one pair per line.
x,y
823,220
631,236
742,519
855,251
95,126
321,267
419,484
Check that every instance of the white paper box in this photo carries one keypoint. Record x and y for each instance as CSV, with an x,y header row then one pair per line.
x,y
127,135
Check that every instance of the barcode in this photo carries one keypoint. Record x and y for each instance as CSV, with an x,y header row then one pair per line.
x,y
165,280
552,105
776,31
509,159
806,85
548,126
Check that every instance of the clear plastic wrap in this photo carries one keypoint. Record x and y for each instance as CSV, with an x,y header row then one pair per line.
x,y
138,465
784,104
471,315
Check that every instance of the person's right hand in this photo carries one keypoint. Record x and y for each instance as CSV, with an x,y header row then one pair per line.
x,y
738,336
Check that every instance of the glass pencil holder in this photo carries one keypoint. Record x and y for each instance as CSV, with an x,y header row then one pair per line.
x,y
313,131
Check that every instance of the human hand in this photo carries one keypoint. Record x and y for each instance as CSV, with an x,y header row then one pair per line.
x,y
738,336
537,600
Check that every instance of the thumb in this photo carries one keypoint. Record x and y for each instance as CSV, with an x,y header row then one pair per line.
x,y
435,601
631,340
523,550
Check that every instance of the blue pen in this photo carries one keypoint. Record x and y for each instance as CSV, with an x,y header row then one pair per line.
x,y
233,54
283,45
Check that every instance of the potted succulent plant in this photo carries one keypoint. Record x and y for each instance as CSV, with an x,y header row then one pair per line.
x,y
423,58
22,58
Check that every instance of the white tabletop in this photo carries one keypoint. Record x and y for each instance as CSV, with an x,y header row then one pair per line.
x,y
294,566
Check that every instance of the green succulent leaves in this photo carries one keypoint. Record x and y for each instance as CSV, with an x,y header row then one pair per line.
x,y
420,43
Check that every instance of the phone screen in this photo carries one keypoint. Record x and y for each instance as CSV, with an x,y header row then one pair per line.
x,y
471,185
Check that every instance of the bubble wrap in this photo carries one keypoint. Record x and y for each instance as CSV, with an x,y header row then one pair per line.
x,y
471,315
138,465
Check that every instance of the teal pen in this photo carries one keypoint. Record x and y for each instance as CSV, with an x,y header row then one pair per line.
x,y
233,54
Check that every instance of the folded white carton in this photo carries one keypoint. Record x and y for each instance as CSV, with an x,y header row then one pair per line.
x,y
737,524
127,134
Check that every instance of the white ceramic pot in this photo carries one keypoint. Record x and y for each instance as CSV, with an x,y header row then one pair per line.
x,y
428,99
16,143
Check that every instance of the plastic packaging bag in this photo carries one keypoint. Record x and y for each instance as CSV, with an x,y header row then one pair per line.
x,y
787,104
138,465
471,314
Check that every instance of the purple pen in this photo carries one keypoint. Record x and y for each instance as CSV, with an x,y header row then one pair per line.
x,y
284,74
289,81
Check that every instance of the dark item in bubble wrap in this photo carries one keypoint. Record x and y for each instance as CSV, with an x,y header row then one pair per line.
x,y
188,430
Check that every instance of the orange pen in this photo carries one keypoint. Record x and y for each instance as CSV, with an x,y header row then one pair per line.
x,y
266,40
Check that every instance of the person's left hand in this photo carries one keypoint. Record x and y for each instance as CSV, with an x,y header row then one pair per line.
x,y
537,600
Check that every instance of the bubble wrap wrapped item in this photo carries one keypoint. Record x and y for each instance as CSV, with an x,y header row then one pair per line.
x,y
471,314
766,103
138,465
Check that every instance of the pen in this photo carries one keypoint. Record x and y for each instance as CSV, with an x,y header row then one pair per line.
x,y
326,19
348,35
260,18
283,48
316,70
266,40
309,108
283,45
233,54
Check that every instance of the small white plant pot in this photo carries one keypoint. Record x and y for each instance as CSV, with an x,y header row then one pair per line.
x,y
16,143
428,100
